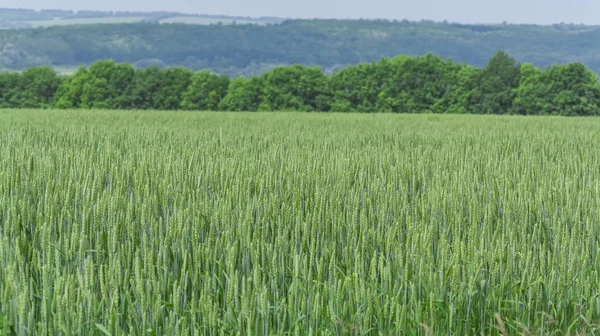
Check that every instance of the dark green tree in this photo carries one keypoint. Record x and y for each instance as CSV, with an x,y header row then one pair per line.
x,y
37,87
10,90
569,90
494,93
175,83
243,94
418,84
69,93
358,88
104,85
146,89
295,88
205,92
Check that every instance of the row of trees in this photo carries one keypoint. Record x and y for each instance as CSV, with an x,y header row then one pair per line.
x,y
402,84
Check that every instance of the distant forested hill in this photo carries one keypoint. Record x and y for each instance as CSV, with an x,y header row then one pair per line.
x,y
251,49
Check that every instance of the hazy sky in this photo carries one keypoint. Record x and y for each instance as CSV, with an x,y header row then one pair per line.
x,y
468,11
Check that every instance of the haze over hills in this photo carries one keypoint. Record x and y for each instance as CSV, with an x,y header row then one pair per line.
x,y
19,18
249,46
463,11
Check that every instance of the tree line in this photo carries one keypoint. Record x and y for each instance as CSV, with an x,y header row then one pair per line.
x,y
403,84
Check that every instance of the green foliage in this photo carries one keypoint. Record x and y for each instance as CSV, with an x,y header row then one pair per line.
x,y
418,84
403,84
68,95
295,88
37,87
458,99
357,88
34,88
570,90
158,89
9,89
205,91
154,223
494,91
243,94
104,85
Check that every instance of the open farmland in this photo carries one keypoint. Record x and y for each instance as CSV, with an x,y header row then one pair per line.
x,y
204,20
83,21
187,19
115,223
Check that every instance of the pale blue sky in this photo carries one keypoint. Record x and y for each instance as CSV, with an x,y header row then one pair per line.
x,y
467,11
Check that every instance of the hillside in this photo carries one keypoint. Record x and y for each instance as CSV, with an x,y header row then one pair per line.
x,y
28,18
252,49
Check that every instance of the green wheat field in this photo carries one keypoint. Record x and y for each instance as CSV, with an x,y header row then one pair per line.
x,y
182,223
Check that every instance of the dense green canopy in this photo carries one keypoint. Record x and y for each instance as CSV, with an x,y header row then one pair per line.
x,y
403,84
